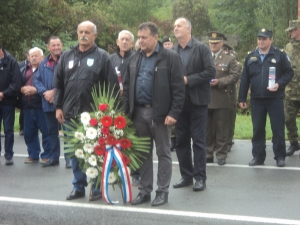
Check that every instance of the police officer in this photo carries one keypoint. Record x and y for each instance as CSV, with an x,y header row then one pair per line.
x,y
264,98
218,110
292,94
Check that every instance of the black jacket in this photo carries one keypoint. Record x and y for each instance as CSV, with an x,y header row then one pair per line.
x,y
77,73
10,79
200,70
256,74
168,85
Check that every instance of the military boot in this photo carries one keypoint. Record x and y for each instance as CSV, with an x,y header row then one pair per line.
x,y
293,147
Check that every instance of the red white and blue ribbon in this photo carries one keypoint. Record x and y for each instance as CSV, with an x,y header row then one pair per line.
x,y
114,153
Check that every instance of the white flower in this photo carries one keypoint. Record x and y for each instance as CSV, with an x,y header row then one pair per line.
x,y
112,112
93,160
88,148
79,135
121,133
91,172
85,118
91,133
79,153
111,178
129,172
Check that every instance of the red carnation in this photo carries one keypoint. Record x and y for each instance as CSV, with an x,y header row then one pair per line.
x,y
101,141
103,107
125,143
93,122
99,150
106,121
111,140
120,122
105,130
126,160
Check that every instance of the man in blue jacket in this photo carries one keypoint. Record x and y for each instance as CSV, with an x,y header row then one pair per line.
x,y
266,99
45,87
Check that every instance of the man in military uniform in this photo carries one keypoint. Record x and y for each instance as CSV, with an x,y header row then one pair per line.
x,y
218,110
167,43
226,48
292,93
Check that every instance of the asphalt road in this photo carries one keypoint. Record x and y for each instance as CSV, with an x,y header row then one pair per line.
x,y
235,194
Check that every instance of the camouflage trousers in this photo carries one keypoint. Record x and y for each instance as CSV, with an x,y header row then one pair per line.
x,y
291,109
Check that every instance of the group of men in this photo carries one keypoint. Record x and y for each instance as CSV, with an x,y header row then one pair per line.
x,y
191,86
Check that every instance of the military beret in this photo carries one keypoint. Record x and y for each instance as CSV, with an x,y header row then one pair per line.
x,y
264,32
166,39
293,24
215,37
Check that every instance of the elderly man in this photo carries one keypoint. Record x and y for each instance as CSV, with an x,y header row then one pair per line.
x,y
153,98
199,69
218,110
80,76
266,98
45,87
10,83
34,117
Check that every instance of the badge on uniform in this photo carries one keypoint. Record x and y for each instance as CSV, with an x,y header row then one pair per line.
x,y
90,62
273,60
71,64
253,58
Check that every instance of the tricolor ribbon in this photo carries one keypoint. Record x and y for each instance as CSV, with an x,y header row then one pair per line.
x,y
113,152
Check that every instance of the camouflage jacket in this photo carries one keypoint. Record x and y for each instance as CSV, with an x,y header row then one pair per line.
x,y
292,90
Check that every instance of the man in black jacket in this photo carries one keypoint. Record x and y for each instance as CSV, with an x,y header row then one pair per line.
x,y
199,69
10,83
153,98
78,71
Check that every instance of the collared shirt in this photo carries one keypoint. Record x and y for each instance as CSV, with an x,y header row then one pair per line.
x,y
216,54
143,94
262,56
52,62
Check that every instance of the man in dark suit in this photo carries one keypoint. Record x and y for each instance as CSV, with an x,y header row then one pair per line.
x,y
198,69
218,110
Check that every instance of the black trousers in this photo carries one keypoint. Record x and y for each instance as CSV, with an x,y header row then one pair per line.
x,y
191,124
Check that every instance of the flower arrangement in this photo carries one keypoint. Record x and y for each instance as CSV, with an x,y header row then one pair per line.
x,y
105,144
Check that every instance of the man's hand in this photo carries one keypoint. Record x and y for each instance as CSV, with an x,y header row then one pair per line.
x,y
49,96
170,121
275,88
60,116
214,82
243,105
28,90
185,80
1,96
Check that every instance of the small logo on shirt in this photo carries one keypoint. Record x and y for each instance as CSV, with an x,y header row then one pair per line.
x,y
273,60
71,64
90,62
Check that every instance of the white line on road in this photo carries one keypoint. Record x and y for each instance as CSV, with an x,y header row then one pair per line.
x,y
153,211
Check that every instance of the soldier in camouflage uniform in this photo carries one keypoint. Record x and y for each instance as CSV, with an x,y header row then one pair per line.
x,y
292,91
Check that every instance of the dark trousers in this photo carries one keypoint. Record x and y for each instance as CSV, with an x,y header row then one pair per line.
x,y
259,110
21,119
52,125
7,115
191,124
231,123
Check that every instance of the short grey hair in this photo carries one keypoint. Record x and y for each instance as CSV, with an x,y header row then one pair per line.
x,y
35,49
88,23
126,32
188,22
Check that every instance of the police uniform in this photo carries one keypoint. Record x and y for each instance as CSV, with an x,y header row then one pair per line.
x,y
256,76
292,91
218,110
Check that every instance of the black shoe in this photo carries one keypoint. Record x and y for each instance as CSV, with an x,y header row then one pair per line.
x,y
293,147
21,133
9,162
229,148
280,162
183,183
160,199
95,195
221,162
141,198
51,162
209,160
68,164
255,162
199,185
75,194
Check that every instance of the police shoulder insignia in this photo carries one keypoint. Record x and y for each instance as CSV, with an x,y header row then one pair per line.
x,y
253,58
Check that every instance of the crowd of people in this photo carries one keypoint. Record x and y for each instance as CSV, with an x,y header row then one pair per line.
x,y
183,96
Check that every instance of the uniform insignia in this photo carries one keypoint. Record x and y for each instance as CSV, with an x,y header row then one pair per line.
x,y
273,60
222,68
249,52
90,62
214,35
71,64
263,30
220,57
253,58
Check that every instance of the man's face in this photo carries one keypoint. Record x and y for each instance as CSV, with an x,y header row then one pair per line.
x,y
36,58
168,44
264,43
125,42
55,47
181,29
147,41
295,33
215,47
86,35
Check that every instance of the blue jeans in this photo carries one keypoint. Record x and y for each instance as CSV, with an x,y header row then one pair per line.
x,y
7,115
52,125
79,182
34,120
